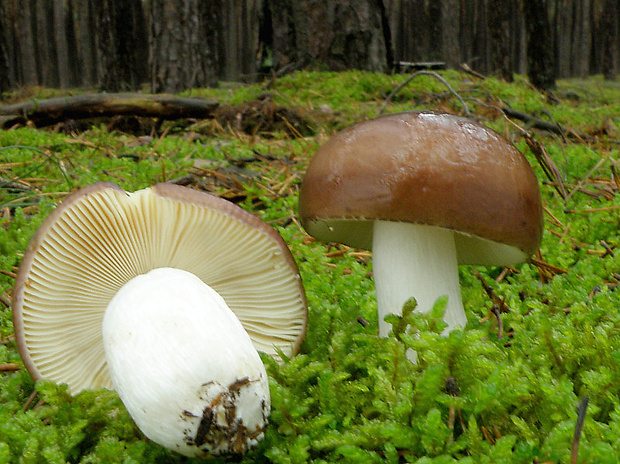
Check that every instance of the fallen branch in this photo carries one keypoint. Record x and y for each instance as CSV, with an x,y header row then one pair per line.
x,y
47,112
536,123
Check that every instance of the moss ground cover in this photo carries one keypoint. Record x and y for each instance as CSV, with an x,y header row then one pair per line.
x,y
541,337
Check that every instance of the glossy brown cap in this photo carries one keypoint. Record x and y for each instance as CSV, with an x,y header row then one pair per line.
x,y
100,237
425,168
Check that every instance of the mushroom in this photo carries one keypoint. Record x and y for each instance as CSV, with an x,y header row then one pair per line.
x,y
425,191
166,295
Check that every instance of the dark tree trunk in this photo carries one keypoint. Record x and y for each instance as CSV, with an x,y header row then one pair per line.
x,y
65,44
582,39
610,38
5,80
239,32
25,50
90,66
500,56
518,39
180,53
541,66
121,44
46,53
563,20
478,47
450,25
337,34
434,30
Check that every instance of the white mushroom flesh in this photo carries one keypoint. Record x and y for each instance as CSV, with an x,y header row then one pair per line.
x,y
183,365
419,261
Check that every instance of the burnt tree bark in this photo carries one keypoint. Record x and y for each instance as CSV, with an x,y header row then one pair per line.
x,y
181,48
541,66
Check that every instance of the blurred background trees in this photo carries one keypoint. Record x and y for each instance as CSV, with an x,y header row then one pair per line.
x,y
171,45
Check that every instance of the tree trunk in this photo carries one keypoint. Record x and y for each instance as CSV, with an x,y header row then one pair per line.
x,y
582,39
609,38
45,40
121,44
564,18
541,66
500,57
25,53
239,31
5,80
477,55
89,64
434,30
180,53
337,34
450,25
65,44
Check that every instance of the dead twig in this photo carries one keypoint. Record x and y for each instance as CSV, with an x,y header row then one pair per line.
x,y
587,176
547,164
10,367
425,73
495,299
582,407
465,67
5,301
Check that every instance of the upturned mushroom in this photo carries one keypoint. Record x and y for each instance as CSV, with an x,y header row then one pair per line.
x,y
425,191
166,295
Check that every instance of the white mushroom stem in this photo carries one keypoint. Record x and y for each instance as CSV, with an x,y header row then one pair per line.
x,y
183,365
411,260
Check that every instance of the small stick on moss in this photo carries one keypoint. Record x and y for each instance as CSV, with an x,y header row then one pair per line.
x,y
615,177
5,301
539,263
608,249
30,400
581,417
452,389
547,164
585,179
500,325
9,367
498,302
10,274
426,73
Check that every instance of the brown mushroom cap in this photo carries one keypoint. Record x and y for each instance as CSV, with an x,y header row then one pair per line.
x,y
100,237
425,168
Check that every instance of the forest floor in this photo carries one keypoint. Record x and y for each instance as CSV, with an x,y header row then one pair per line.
x,y
537,382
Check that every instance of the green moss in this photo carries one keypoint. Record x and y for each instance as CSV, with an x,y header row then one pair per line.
x,y
476,396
